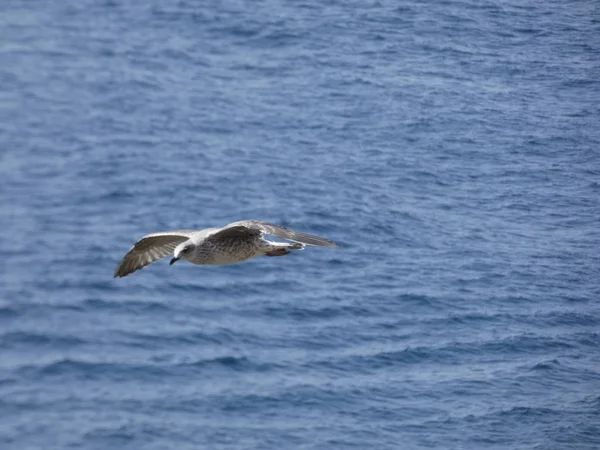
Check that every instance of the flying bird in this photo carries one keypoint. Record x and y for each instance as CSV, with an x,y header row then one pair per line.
x,y
234,243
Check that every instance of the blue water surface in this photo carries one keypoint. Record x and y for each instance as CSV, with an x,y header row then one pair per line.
x,y
452,148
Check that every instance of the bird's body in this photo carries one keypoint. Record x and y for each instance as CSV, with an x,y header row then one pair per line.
x,y
236,242
226,251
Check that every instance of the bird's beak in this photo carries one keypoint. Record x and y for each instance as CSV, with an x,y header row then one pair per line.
x,y
173,261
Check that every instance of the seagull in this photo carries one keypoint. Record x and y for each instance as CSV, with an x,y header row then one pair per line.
x,y
234,243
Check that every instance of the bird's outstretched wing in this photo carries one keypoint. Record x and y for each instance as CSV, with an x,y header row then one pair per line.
x,y
256,227
150,248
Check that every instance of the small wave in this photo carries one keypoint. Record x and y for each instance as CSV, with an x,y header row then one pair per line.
x,y
6,312
129,305
118,435
301,395
592,401
226,361
79,369
148,340
241,364
299,313
452,353
369,363
546,365
574,318
525,411
18,338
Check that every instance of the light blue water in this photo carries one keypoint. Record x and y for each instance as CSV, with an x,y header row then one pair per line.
x,y
450,147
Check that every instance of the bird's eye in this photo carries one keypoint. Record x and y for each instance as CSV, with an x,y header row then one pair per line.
x,y
185,249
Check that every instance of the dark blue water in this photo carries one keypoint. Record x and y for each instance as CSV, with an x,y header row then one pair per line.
x,y
451,147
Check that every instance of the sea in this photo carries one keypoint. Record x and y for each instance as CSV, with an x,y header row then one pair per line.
x,y
451,148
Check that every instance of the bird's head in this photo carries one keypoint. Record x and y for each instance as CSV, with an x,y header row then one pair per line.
x,y
183,251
